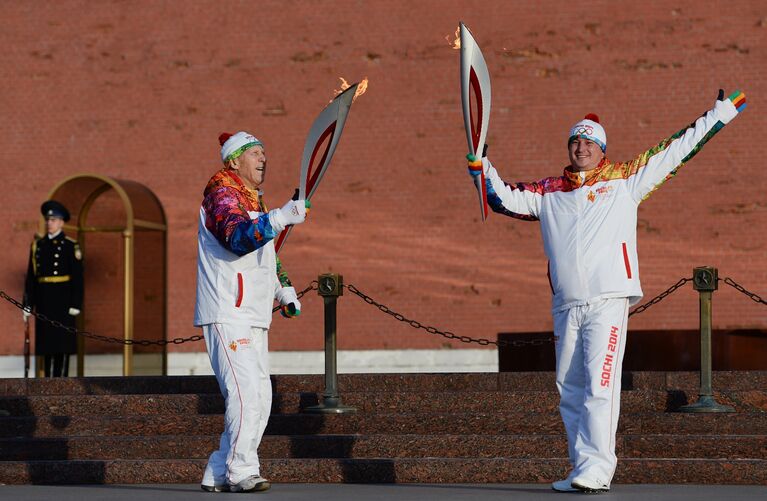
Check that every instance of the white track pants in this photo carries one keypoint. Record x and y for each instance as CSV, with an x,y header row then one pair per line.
x,y
240,359
590,343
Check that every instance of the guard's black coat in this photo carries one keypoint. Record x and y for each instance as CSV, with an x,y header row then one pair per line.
x,y
57,257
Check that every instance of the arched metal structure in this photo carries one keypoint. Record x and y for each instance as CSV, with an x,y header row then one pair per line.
x,y
140,211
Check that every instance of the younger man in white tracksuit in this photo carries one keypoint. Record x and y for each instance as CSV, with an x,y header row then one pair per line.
x,y
238,278
588,222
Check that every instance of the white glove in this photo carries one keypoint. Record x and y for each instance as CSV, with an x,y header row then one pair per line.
x,y
74,312
286,296
293,212
25,313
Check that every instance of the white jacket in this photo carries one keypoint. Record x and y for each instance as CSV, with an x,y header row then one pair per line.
x,y
588,220
234,289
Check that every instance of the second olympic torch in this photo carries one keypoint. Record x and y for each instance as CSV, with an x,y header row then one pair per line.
x,y
475,79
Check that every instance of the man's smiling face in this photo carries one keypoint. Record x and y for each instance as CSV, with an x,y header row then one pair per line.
x,y
585,154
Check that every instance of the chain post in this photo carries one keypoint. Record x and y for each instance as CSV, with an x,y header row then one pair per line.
x,y
705,281
330,288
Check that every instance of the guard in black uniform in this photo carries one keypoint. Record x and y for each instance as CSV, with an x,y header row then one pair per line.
x,y
54,287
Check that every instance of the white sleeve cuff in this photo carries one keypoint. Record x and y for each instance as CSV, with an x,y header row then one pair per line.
x,y
725,111
277,220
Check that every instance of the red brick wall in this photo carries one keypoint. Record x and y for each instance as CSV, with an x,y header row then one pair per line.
x,y
141,90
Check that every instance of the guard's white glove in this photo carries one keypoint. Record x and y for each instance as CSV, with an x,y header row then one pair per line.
x,y
293,212
74,312
25,313
291,306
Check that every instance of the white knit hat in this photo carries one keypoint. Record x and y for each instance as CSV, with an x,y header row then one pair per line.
x,y
232,145
589,128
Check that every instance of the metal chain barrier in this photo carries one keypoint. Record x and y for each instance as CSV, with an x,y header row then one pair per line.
x,y
446,334
385,309
139,342
502,343
660,297
740,288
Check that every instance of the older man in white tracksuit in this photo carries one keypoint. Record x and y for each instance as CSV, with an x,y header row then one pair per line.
x,y
588,222
238,278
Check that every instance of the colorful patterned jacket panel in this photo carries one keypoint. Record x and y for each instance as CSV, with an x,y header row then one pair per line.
x,y
227,203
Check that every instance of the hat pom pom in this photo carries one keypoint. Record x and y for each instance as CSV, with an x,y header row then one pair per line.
x,y
223,137
593,117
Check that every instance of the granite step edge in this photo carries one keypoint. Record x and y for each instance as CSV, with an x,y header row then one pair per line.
x,y
368,402
722,380
422,423
370,445
425,470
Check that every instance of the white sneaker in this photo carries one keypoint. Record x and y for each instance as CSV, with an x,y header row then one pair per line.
x,y
254,483
590,486
563,485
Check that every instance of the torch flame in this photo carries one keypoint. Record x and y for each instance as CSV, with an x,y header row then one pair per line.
x,y
361,88
456,44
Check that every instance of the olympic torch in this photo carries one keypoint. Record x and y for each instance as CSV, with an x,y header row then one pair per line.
x,y
326,129
475,79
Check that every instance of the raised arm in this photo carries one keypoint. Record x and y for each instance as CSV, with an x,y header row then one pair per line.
x,y
520,200
652,168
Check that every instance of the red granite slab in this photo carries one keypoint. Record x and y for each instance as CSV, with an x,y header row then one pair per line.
x,y
387,446
424,470
693,446
368,402
518,381
692,471
434,423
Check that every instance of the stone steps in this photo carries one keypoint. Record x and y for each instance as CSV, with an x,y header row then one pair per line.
x,y
388,446
367,402
387,470
365,424
504,381
501,427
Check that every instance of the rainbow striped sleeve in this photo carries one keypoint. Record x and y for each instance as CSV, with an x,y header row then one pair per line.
x,y
738,99
475,165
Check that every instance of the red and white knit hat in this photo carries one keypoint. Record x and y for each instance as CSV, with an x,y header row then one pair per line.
x,y
589,128
232,145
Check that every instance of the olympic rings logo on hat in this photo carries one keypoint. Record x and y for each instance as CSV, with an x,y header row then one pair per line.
x,y
584,129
